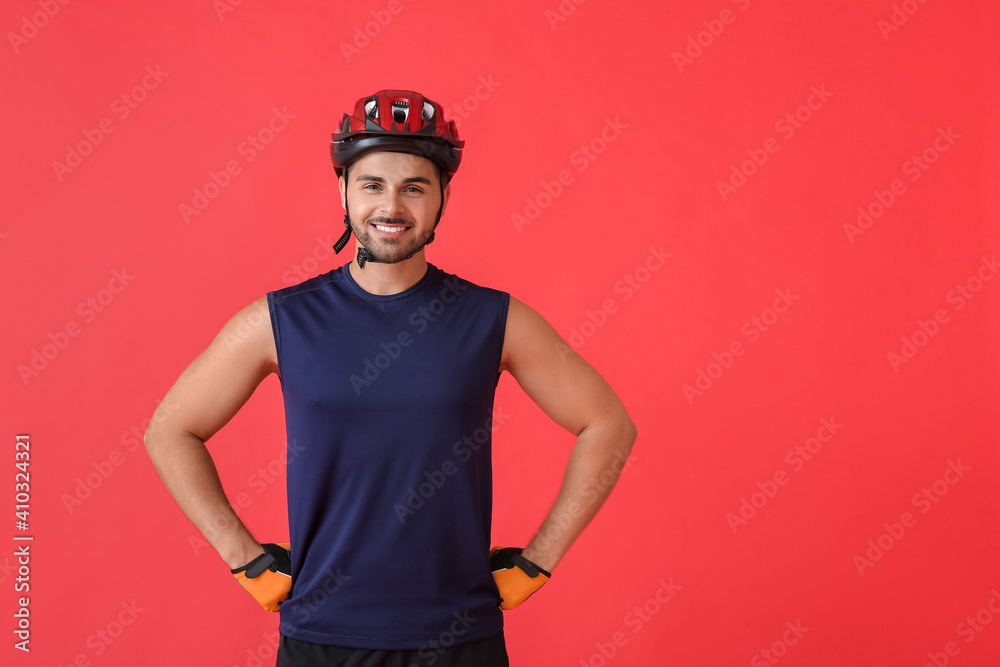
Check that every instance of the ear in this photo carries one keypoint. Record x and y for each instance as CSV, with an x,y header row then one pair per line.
x,y
342,184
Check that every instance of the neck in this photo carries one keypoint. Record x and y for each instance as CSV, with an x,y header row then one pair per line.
x,y
385,279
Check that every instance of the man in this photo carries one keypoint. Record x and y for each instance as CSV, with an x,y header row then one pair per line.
x,y
388,368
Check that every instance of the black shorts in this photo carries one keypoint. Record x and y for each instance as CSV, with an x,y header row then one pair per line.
x,y
489,652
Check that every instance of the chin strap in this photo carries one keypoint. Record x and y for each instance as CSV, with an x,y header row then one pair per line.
x,y
364,256
342,241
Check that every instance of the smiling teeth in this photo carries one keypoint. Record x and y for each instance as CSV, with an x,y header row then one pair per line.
x,y
389,230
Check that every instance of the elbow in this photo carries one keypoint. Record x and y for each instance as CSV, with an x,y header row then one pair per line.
x,y
627,432
620,429
627,425
150,439
155,436
631,433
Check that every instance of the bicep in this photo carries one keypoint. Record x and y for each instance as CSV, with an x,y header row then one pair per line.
x,y
561,382
213,388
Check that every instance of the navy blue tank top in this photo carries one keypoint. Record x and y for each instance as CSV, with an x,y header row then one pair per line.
x,y
388,407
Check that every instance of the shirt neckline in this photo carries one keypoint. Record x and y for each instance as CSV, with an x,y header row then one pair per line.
x,y
417,286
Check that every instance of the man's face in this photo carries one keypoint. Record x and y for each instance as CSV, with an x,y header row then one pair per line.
x,y
394,200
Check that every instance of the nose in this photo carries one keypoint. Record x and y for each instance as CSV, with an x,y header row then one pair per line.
x,y
392,203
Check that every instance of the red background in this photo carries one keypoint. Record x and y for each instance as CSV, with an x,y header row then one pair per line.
x,y
550,88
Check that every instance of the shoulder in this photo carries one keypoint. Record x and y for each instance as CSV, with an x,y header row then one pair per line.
x,y
524,320
459,284
248,335
306,287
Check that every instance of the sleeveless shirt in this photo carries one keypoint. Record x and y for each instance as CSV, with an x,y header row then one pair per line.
x,y
388,407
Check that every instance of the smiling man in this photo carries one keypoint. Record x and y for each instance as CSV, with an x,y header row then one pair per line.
x,y
388,368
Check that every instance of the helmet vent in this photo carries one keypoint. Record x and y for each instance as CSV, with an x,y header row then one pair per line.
x,y
400,111
428,111
371,108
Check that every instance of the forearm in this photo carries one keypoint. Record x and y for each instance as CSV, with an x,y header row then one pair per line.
x,y
191,478
597,460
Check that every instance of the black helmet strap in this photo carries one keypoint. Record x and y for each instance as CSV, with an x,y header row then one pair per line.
x,y
342,241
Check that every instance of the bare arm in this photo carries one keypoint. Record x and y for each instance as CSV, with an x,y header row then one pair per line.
x,y
576,397
205,397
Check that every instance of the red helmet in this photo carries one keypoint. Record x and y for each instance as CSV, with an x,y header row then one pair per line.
x,y
400,121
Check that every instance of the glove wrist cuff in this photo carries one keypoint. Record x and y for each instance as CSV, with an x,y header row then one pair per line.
x,y
529,568
256,567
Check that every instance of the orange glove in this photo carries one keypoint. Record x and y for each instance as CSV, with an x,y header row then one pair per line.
x,y
516,577
268,577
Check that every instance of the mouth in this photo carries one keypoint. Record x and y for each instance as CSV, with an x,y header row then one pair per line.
x,y
390,231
